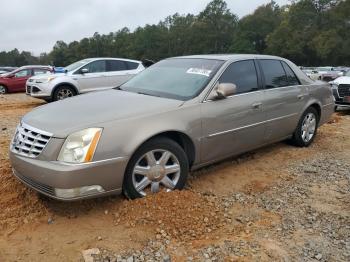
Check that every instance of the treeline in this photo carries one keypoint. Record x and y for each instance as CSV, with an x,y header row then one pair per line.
x,y
308,32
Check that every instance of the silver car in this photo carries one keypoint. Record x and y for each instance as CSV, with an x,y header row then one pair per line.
x,y
178,115
91,74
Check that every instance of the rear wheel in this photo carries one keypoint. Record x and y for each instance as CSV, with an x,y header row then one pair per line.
x,y
3,89
307,128
63,92
159,164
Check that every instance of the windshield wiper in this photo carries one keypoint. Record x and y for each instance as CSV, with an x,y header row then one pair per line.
x,y
146,94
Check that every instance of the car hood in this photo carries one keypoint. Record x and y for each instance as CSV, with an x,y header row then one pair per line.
x,y
44,76
342,80
92,110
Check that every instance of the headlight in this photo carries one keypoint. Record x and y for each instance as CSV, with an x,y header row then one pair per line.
x,y
45,80
80,147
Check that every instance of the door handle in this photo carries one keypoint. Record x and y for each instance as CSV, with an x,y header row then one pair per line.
x,y
300,97
256,105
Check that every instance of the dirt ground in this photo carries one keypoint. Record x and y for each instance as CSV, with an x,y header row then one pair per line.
x,y
278,203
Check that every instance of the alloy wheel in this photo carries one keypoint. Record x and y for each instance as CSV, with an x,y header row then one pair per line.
x,y
64,93
155,170
2,90
308,127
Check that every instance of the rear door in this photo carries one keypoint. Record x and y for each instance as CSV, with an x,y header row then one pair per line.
x,y
234,124
284,99
120,71
18,82
95,79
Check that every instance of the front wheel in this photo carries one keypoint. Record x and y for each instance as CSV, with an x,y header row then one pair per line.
x,y
159,164
63,92
307,128
3,89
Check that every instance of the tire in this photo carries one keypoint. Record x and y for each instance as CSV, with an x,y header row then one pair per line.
x,y
306,130
155,173
3,90
63,92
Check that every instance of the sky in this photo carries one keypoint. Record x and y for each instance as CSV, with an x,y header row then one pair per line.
x,y
36,25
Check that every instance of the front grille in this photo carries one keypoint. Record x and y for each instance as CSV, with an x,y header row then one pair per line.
x,y
344,90
29,141
36,185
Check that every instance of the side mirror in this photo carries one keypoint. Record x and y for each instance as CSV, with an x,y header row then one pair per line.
x,y
223,90
84,70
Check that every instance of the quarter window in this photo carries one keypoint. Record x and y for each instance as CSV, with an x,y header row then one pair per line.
x,y
132,65
291,77
116,65
274,73
96,66
243,75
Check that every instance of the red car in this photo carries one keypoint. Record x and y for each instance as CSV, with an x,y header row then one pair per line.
x,y
15,81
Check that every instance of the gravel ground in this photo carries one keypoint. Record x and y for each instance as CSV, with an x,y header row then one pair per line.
x,y
279,203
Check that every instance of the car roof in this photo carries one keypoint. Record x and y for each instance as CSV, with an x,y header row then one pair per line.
x,y
227,57
112,58
34,66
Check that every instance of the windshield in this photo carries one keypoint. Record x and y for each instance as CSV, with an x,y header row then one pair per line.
x,y
347,73
9,73
76,65
177,78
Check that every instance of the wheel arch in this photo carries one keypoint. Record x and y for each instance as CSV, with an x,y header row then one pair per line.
x,y
179,137
64,84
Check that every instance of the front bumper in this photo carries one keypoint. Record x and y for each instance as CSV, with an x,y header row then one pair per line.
x,y
340,101
39,90
49,178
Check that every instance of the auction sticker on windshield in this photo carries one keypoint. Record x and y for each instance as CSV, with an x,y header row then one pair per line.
x,y
199,71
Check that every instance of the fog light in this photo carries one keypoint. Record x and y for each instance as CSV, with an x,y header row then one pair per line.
x,y
79,191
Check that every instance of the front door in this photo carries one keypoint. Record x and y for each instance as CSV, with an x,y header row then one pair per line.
x,y
234,124
94,78
18,82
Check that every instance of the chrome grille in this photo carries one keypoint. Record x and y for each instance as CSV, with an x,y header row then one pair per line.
x,y
344,90
29,141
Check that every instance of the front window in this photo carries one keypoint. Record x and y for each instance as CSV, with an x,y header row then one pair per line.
x,y
98,66
177,78
347,73
76,65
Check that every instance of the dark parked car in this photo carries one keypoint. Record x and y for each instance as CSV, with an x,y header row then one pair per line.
x,y
15,81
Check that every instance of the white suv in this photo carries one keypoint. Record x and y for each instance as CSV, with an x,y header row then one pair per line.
x,y
87,75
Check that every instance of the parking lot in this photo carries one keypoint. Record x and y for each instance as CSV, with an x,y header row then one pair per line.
x,y
276,203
